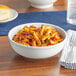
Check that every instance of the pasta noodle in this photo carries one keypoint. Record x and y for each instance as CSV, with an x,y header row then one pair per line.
x,y
33,36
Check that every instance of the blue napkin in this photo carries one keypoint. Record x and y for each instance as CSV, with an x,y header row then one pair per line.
x,y
56,17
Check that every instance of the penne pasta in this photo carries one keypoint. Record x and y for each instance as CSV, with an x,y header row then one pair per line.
x,y
37,38
34,43
25,44
42,30
42,36
52,42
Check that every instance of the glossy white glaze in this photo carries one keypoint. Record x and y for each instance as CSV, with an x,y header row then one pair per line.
x,y
36,52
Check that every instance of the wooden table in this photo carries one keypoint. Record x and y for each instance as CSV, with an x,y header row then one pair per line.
x,y
12,64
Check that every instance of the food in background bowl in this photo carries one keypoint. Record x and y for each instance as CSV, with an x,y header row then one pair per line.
x,y
38,36
36,52
4,12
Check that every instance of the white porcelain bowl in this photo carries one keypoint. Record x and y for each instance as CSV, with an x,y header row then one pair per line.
x,y
36,52
42,4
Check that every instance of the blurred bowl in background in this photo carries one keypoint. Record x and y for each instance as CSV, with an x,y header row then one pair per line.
x,y
42,4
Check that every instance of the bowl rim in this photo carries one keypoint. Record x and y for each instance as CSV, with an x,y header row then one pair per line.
x,y
37,46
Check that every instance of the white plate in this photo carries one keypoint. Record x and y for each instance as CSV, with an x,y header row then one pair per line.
x,y
14,15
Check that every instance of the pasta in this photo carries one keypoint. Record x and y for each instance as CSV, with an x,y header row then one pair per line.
x,y
42,36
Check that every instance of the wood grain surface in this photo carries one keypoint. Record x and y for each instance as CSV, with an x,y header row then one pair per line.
x,y
24,6
12,64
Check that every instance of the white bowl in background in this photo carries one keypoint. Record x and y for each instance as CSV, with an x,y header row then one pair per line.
x,y
36,52
42,4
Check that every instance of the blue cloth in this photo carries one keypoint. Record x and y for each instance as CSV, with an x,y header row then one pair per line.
x,y
56,17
